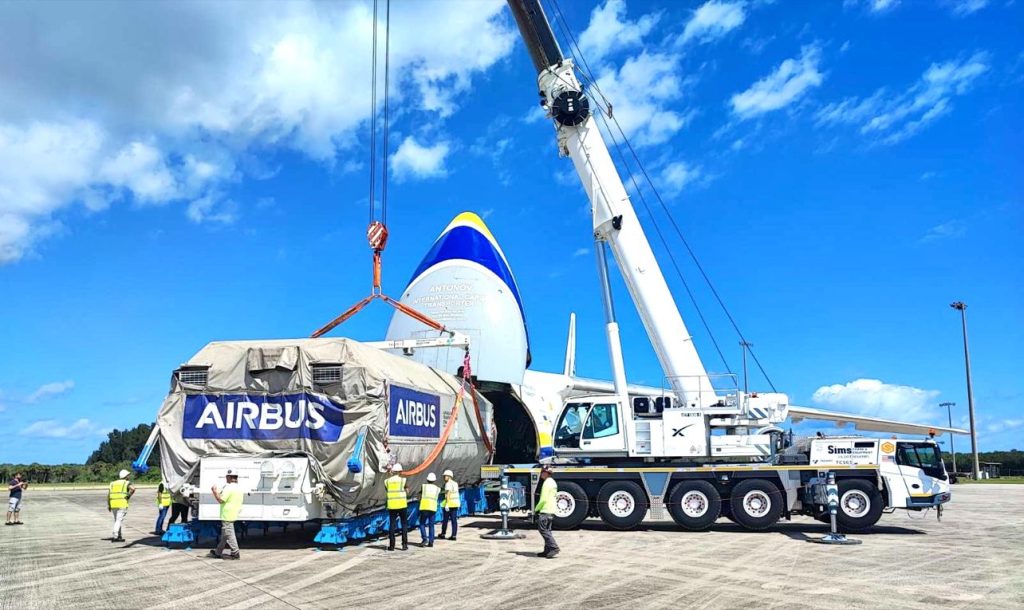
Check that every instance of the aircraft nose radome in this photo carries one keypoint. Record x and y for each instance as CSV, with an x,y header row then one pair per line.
x,y
465,283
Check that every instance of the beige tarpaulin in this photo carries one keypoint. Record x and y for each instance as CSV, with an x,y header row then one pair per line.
x,y
316,397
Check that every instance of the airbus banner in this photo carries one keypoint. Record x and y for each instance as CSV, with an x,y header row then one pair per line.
x,y
262,418
414,414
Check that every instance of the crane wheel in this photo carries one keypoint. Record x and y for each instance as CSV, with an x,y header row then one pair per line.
x,y
860,505
755,504
694,505
571,506
622,504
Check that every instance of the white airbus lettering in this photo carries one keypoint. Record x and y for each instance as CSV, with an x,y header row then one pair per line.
x,y
248,414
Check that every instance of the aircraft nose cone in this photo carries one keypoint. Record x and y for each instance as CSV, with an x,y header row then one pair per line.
x,y
466,283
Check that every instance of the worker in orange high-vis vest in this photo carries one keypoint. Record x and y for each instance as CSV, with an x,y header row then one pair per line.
x,y
118,494
398,506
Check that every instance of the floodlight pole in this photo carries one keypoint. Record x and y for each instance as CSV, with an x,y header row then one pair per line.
x,y
949,409
962,308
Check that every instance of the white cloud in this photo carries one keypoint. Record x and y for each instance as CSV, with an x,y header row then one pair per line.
x,y
536,114
52,428
875,6
647,119
788,83
676,175
414,160
875,398
159,102
893,117
581,252
609,31
213,208
50,390
712,20
1004,425
962,8
946,230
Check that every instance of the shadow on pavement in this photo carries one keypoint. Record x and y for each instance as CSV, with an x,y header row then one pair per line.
x,y
797,531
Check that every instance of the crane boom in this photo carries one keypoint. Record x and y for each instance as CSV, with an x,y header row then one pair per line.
x,y
614,219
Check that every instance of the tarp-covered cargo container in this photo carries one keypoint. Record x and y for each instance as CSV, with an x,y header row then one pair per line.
x,y
336,401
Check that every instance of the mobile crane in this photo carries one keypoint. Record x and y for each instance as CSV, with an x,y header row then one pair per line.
x,y
696,450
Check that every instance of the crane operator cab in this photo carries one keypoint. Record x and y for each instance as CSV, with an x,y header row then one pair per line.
x,y
591,427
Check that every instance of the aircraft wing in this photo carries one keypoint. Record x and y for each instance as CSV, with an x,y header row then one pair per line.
x,y
863,422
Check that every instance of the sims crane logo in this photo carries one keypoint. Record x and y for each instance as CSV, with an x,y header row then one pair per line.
x,y
414,414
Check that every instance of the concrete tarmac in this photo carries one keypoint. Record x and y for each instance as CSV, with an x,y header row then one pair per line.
x,y
62,558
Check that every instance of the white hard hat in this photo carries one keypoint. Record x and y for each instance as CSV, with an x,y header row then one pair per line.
x,y
230,473
431,477
448,473
123,474
397,467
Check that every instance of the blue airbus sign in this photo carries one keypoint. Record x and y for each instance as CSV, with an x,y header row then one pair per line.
x,y
262,418
414,413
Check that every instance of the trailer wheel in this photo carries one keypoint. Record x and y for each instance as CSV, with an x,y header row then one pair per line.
x,y
756,504
571,506
860,505
622,504
694,505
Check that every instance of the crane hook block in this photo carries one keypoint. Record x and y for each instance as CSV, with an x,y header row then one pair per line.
x,y
377,235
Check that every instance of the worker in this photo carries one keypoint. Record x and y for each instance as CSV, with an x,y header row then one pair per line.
x,y
451,503
179,510
163,503
15,486
230,498
398,503
428,509
546,512
118,495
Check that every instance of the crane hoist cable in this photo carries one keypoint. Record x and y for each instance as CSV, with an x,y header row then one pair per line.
x,y
377,231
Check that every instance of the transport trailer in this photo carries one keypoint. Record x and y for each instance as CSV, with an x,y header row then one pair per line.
x,y
874,476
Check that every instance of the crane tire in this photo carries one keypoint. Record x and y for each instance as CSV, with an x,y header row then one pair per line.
x,y
622,504
860,505
756,504
572,506
694,505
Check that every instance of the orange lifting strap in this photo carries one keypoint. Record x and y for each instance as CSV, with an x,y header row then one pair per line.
x,y
377,235
439,447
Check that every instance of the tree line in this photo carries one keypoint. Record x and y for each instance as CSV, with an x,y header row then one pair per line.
x,y
116,453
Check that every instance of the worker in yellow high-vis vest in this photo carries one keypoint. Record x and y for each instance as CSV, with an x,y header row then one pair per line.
x,y
428,509
546,512
230,497
398,505
163,504
118,494
450,504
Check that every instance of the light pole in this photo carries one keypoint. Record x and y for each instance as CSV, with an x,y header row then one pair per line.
x,y
962,307
949,409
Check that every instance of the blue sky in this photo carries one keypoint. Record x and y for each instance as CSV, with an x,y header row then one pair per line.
x,y
176,173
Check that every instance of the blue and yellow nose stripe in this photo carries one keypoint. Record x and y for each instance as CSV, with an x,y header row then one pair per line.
x,y
468,238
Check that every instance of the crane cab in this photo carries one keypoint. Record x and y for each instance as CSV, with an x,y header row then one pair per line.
x,y
591,425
